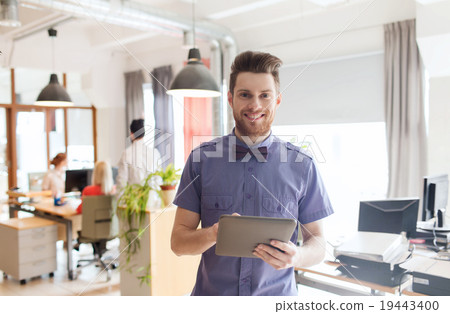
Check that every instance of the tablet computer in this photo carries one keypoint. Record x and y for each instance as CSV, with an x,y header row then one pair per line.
x,y
239,235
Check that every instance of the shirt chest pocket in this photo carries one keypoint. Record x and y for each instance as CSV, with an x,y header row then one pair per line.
x,y
214,206
280,207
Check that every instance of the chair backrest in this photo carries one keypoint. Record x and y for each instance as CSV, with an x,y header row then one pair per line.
x,y
35,180
99,220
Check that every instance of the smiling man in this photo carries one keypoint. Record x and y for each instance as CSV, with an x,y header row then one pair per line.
x,y
250,172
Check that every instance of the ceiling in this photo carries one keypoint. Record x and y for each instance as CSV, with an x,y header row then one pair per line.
x,y
77,35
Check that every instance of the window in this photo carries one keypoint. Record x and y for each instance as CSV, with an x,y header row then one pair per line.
x,y
80,149
352,160
5,86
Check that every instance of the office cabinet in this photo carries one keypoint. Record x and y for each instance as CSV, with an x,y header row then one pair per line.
x,y
28,247
171,275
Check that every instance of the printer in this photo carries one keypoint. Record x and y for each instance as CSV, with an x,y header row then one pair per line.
x,y
374,257
430,276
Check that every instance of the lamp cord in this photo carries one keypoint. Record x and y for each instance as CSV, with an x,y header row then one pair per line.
x,y
53,54
193,20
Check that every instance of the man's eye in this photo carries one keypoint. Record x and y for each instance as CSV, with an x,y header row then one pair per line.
x,y
245,95
265,95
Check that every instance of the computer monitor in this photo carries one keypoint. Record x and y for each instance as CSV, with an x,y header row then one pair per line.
x,y
435,197
389,216
77,180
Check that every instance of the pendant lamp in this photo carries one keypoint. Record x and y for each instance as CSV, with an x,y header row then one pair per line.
x,y
54,94
9,13
194,80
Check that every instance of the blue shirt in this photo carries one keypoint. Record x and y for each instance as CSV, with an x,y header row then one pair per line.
x,y
214,184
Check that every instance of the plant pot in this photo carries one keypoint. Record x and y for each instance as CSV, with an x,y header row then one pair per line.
x,y
167,194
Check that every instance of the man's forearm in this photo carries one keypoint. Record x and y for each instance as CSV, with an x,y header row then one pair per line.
x,y
186,241
311,252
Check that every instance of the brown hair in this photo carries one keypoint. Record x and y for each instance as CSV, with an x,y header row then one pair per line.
x,y
255,62
58,159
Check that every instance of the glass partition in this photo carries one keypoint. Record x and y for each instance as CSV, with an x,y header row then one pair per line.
x,y
3,159
5,86
31,146
56,132
80,146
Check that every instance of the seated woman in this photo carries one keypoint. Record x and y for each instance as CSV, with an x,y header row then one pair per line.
x,y
54,179
102,182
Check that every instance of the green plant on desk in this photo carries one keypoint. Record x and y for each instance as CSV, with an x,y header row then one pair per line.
x,y
133,204
170,178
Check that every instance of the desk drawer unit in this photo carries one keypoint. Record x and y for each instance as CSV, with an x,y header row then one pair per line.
x,y
27,247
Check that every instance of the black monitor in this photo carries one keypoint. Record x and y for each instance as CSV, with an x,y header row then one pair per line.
x,y
77,180
389,216
435,197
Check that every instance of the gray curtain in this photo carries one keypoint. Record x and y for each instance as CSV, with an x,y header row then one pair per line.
x,y
404,108
134,97
164,134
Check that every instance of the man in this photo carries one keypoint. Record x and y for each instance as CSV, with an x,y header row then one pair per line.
x,y
138,160
284,183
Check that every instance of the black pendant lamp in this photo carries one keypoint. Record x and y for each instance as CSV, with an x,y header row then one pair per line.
x,y
194,80
54,94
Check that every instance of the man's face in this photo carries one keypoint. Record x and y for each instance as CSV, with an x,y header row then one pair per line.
x,y
254,103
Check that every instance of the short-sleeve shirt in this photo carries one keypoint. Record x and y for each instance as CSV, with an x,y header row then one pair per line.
x,y
286,185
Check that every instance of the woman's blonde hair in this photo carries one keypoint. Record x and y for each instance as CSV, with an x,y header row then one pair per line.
x,y
103,176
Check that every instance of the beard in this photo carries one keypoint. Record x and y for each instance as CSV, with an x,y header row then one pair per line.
x,y
260,127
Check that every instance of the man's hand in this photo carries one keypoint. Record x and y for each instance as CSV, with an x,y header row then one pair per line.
x,y
212,232
279,260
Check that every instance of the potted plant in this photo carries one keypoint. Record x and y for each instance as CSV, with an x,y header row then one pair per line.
x,y
169,180
132,206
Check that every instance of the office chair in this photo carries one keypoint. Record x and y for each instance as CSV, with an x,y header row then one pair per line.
x,y
99,225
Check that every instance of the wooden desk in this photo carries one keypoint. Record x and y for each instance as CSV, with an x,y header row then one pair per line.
x,y
327,269
44,208
17,194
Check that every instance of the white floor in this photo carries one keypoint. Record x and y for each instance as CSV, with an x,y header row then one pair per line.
x,y
91,281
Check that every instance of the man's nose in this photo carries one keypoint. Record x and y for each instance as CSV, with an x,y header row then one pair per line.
x,y
255,103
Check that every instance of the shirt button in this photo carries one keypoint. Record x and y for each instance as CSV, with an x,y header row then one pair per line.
x,y
216,205
250,169
248,196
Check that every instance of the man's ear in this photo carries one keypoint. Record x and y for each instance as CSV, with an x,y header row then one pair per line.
x,y
279,98
132,137
230,99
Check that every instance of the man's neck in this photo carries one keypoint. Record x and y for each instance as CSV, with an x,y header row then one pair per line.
x,y
255,139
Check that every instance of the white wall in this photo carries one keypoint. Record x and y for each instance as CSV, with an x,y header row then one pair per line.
x,y
433,37
105,86
337,91
439,129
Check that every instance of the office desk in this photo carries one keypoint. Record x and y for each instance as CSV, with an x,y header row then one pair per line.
x,y
44,208
32,194
316,277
